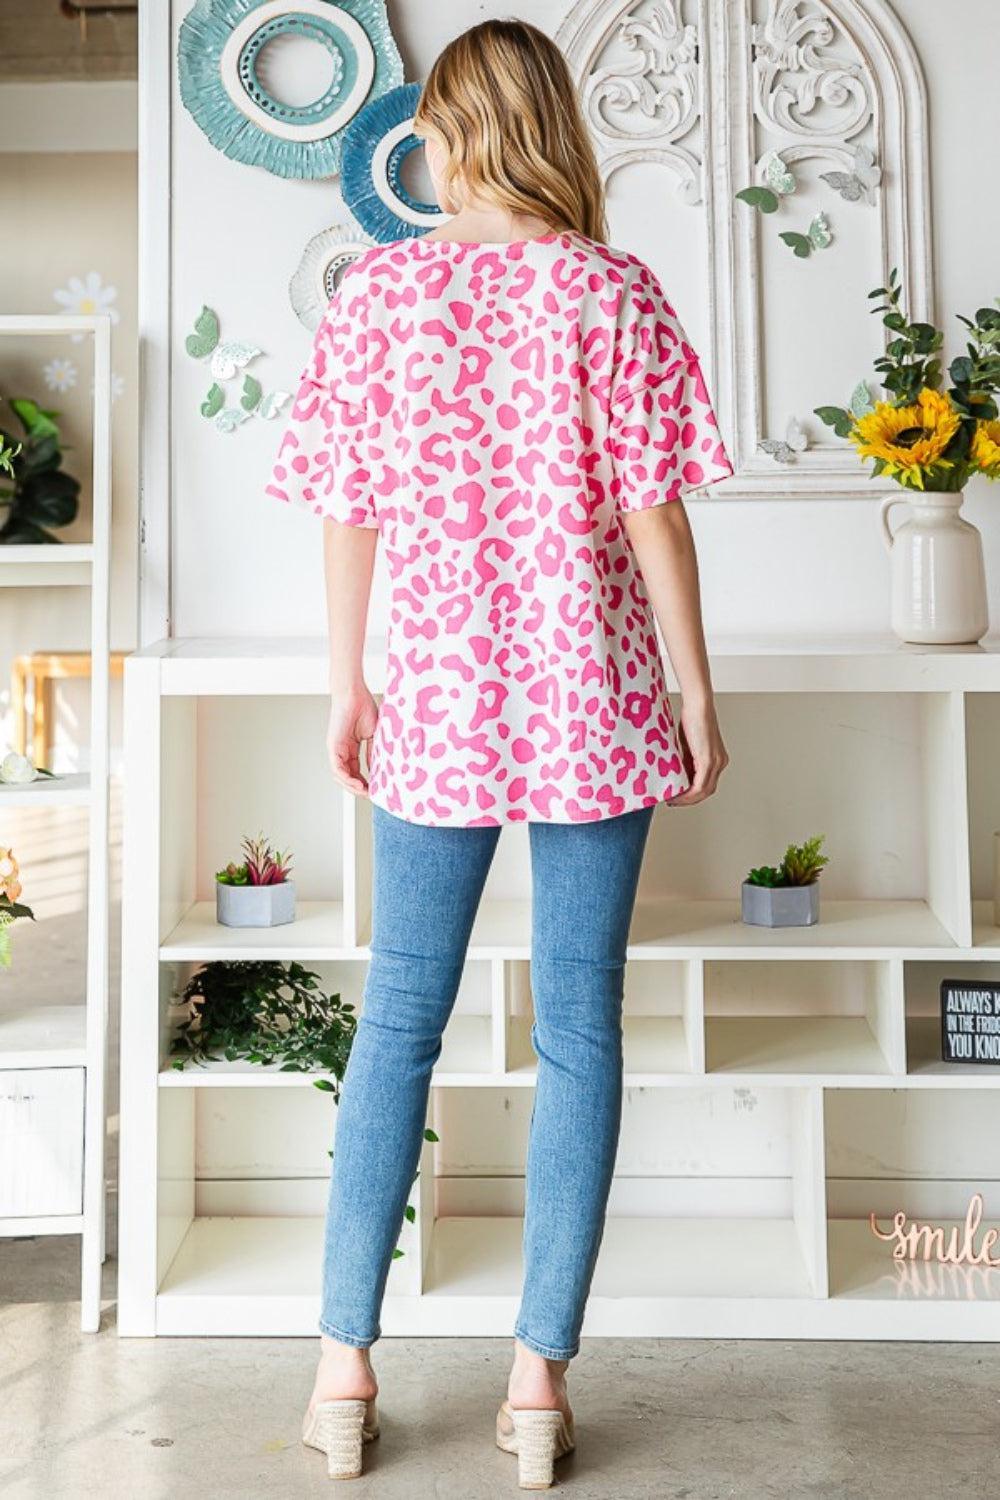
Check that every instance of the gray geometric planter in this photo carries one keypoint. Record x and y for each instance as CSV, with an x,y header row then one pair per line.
x,y
255,905
780,905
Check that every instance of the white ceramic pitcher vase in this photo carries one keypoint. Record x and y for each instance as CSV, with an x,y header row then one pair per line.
x,y
938,576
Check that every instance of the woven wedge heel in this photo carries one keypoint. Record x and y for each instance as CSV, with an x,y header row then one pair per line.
x,y
340,1429
538,1437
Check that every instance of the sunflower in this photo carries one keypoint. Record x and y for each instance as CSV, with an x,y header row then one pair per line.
x,y
909,440
986,448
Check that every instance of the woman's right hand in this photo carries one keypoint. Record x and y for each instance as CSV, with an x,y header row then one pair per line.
x,y
704,755
353,715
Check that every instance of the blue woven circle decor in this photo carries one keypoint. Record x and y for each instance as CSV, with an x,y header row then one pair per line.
x,y
375,146
219,54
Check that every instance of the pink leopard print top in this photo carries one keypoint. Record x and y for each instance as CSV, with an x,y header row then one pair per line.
x,y
491,409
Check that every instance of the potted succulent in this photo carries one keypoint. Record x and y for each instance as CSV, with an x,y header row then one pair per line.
x,y
786,895
10,906
258,892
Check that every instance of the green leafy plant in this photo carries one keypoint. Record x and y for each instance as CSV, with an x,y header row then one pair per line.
x,y
268,1013
41,495
410,1213
262,865
802,865
7,457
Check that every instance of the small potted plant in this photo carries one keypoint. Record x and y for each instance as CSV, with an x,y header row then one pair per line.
x,y
786,895
258,892
41,495
11,908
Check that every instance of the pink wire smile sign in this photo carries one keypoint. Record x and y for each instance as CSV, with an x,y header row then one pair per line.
x,y
951,1246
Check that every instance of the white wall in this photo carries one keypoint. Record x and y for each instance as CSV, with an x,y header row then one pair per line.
x,y
243,565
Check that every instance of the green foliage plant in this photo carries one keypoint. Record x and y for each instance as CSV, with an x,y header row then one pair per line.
x,y
802,865
40,495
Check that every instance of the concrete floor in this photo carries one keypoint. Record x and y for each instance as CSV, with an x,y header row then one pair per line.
x,y
95,1415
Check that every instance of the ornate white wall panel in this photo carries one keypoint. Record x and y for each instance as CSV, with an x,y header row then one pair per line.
x,y
709,88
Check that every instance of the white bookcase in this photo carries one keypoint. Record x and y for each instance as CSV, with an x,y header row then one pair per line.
x,y
53,1057
780,1085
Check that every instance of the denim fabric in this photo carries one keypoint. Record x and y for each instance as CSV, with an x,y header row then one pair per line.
x,y
427,885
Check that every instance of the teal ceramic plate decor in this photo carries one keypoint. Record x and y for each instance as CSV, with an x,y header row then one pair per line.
x,y
375,147
222,77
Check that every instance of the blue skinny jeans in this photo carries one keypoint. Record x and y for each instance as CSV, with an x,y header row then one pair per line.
x,y
427,884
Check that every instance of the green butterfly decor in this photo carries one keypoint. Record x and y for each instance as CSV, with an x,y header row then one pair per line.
x,y
818,237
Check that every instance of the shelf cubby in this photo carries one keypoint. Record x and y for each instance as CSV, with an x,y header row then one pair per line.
x,y
661,1023
670,1231
922,983
805,1018
982,729
936,1147
223,779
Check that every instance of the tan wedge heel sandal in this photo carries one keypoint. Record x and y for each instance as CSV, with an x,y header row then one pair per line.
x,y
340,1429
538,1437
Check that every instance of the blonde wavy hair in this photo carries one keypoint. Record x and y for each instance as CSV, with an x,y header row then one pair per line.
x,y
501,100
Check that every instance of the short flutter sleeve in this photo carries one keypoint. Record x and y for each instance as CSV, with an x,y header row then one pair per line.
x,y
662,430
322,462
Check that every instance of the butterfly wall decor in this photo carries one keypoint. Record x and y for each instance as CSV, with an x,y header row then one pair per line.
x,y
861,403
859,184
785,450
780,182
818,237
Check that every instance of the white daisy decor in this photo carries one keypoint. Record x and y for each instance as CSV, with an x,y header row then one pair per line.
x,y
117,386
59,374
87,295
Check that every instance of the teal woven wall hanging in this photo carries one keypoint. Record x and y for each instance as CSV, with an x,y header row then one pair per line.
x,y
219,57
375,146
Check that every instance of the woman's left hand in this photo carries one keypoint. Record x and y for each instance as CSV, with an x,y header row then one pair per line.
x,y
705,756
353,715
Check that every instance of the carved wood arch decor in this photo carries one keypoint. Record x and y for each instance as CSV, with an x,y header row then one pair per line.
x,y
699,86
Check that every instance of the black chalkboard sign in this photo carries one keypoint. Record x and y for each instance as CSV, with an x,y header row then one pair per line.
x,y
970,1021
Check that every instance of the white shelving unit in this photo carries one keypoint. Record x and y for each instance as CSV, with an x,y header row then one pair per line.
x,y
780,1085
53,1057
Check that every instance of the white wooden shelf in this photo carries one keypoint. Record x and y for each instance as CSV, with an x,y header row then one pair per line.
x,y
464,1062
805,1046
292,665
774,1029
654,1278
43,1036
70,790
667,929
42,1170
43,564
653,1047
860,1270
317,933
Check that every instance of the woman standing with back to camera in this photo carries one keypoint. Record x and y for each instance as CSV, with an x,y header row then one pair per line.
x,y
507,403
